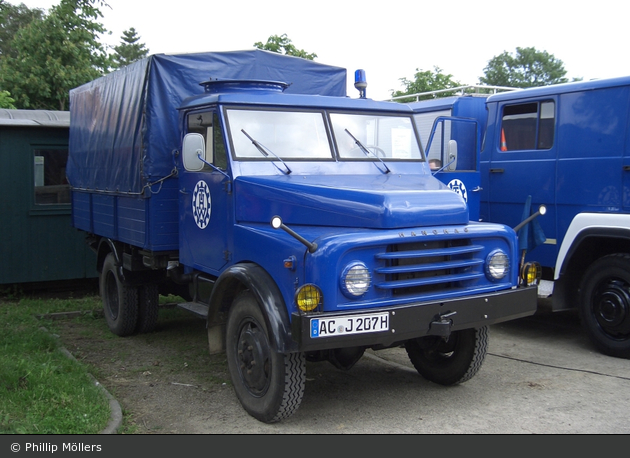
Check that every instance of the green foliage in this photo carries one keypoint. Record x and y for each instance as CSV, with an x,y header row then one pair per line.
x,y
282,45
129,50
12,19
425,81
528,67
42,391
6,101
55,54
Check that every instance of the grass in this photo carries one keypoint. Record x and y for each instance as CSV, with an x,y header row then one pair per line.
x,y
42,391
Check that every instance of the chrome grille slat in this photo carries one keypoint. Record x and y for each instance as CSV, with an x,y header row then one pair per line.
x,y
427,281
417,268
448,251
428,267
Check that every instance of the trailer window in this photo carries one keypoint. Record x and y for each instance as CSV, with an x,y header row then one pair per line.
x,y
528,126
51,185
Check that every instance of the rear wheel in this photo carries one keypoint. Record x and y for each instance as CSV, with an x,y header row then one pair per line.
x,y
605,304
148,303
120,301
269,385
449,362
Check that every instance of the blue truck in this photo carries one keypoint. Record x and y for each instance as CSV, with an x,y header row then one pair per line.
x,y
301,224
565,147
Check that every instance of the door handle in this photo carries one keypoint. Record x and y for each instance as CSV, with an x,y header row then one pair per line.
x,y
626,168
497,170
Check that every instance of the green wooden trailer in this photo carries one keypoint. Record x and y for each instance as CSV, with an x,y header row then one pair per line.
x,y
38,245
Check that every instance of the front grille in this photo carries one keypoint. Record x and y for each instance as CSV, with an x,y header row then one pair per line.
x,y
429,267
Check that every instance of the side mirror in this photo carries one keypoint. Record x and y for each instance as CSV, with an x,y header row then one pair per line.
x,y
193,149
451,151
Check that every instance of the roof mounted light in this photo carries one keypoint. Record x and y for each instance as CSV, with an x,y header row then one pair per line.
x,y
360,82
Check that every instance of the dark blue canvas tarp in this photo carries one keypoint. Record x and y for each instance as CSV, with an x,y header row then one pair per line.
x,y
125,125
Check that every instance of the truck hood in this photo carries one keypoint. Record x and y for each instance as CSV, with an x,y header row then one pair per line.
x,y
367,201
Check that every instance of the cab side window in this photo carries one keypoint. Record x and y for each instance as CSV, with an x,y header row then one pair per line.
x,y
528,126
207,124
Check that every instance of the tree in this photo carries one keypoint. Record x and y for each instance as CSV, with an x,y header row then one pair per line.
x,y
55,54
129,50
426,81
12,19
282,45
6,101
528,67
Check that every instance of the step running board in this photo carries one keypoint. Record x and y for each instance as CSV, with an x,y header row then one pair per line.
x,y
197,308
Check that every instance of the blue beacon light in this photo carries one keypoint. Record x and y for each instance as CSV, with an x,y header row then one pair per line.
x,y
360,82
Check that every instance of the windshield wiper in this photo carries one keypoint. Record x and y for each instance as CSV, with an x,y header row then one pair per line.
x,y
263,150
367,152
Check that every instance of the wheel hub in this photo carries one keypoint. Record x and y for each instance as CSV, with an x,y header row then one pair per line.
x,y
611,308
254,359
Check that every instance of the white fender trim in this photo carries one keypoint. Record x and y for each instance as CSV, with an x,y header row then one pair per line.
x,y
584,221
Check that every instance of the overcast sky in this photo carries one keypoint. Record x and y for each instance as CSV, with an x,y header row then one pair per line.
x,y
389,39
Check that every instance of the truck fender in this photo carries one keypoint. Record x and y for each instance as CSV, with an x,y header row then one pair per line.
x,y
254,278
105,246
585,225
589,237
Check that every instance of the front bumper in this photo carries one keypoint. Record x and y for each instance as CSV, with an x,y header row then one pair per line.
x,y
421,319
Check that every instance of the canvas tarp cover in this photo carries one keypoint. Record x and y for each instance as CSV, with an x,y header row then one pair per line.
x,y
124,126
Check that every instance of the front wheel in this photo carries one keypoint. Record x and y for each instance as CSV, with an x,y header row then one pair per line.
x,y
268,384
605,304
452,361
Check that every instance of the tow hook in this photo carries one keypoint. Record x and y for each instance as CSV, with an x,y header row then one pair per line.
x,y
441,326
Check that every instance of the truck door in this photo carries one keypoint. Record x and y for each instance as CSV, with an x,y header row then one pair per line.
x,y
205,196
522,162
452,151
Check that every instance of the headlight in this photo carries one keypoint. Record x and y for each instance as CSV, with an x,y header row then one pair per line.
x,y
308,297
531,273
355,280
497,265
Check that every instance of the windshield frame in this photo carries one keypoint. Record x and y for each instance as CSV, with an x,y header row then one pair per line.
x,y
332,137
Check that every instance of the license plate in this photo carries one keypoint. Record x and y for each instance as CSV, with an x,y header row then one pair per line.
x,y
346,325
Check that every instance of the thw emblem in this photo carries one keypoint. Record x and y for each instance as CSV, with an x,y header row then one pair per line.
x,y
459,187
201,204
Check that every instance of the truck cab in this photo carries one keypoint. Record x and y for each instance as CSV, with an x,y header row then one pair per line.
x,y
328,206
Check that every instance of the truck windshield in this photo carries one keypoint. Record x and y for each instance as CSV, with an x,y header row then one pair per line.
x,y
387,137
302,135
288,134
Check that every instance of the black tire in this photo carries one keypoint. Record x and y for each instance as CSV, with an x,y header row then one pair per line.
x,y
269,385
148,305
605,304
120,301
449,362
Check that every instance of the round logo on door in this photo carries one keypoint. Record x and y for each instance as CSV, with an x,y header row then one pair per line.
x,y
459,187
201,204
